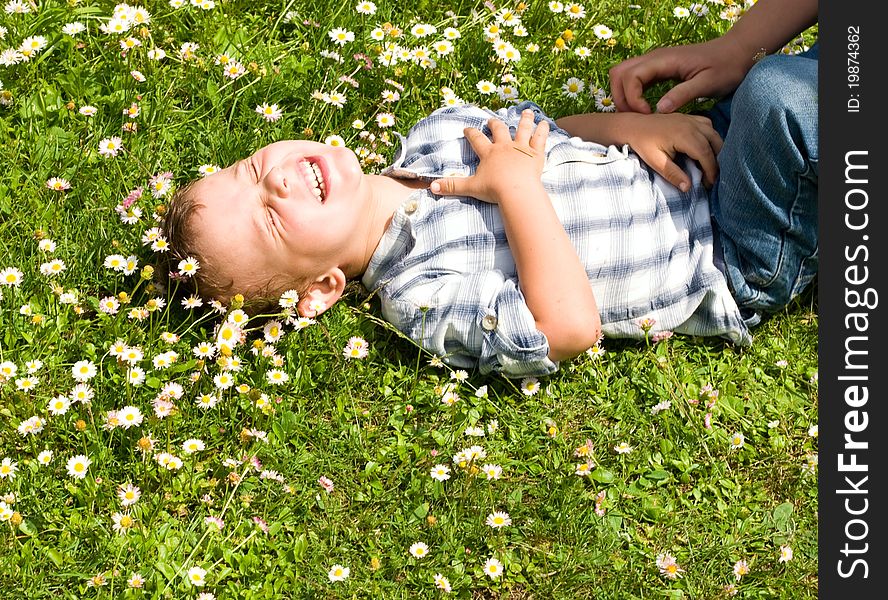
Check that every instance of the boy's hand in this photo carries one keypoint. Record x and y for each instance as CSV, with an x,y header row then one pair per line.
x,y
506,165
658,138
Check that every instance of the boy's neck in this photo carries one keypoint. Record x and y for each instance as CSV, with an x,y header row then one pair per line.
x,y
387,195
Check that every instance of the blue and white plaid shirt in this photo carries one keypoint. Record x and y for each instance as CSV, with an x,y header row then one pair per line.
x,y
446,276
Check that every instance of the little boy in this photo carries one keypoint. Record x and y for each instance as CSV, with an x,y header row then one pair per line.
x,y
508,252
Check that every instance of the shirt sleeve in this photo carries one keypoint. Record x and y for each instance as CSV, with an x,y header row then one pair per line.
x,y
473,320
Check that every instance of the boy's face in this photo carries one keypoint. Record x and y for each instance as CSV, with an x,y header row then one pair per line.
x,y
271,214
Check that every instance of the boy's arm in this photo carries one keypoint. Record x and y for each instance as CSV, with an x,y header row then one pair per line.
x,y
655,138
551,275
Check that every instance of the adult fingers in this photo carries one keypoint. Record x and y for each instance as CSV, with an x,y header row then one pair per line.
x,y
628,94
630,78
671,172
615,74
704,153
709,144
620,76
712,135
633,88
696,87
676,176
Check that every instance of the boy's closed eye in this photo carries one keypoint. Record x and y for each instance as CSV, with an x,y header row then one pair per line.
x,y
252,171
273,228
272,222
250,167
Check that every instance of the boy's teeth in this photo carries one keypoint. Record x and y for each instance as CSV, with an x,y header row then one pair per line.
x,y
314,175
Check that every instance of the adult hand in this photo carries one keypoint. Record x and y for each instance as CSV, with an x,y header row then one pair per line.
x,y
506,164
710,69
657,139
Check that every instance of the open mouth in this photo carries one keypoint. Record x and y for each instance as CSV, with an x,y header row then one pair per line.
x,y
315,179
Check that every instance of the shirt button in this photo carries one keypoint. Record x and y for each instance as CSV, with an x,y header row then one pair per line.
x,y
411,207
488,322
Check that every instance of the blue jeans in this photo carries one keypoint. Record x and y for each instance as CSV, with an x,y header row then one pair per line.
x,y
764,204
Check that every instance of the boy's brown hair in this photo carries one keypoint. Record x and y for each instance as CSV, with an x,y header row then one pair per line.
x,y
180,231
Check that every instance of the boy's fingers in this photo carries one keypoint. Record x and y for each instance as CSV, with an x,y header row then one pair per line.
x,y
499,130
538,139
451,186
474,137
525,127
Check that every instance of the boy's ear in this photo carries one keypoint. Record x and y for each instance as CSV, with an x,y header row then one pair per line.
x,y
322,293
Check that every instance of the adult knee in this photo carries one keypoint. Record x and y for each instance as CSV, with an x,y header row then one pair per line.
x,y
780,93
784,83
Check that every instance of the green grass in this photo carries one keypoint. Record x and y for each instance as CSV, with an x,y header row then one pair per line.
x,y
375,426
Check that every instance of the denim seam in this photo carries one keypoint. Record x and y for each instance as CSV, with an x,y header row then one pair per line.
x,y
806,174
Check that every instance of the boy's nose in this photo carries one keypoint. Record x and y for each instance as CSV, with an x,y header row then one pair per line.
x,y
278,181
